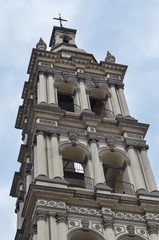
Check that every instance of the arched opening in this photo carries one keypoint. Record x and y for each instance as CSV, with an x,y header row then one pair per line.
x,y
84,235
65,93
74,166
98,103
115,173
130,238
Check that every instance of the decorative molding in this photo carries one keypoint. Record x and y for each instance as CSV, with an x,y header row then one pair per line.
x,y
73,223
152,216
51,204
119,230
97,226
84,211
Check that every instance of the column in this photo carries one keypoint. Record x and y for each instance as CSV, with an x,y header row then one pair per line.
x,y
136,169
77,102
89,173
109,109
97,165
41,225
28,173
108,229
128,172
115,99
123,100
20,205
61,220
152,231
55,156
49,157
148,170
83,96
35,160
41,154
42,95
50,89
53,228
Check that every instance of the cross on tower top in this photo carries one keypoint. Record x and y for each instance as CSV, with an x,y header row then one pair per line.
x,y
60,19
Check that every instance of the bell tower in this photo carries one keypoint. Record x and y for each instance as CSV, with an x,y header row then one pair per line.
x,y
84,170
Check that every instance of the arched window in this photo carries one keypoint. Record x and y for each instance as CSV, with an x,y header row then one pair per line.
x,y
65,102
85,235
74,168
99,104
65,93
115,175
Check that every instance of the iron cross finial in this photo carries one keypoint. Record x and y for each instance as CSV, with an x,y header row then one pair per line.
x,y
60,19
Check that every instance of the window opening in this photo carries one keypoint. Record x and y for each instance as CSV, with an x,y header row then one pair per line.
x,y
96,105
65,102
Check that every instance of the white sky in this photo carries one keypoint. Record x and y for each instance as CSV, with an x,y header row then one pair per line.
x,y
127,28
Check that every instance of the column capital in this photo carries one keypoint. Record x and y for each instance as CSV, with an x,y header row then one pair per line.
x,y
40,133
40,215
92,138
41,72
108,222
120,85
152,228
61,217
50,74
143,147
129,147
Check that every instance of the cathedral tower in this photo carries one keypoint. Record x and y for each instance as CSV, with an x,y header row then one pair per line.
x,y
84,170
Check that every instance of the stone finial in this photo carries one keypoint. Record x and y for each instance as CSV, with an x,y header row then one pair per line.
x,y
109,58
41,45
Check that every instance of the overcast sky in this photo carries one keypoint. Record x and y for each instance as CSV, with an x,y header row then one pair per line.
x,y
127,28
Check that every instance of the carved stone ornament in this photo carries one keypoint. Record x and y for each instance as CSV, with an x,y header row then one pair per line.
x,y
152,228
96,82
41,45
85,224
73,137
109,58
61,217
131,230
111,142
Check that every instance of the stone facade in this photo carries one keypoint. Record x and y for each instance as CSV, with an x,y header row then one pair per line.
x,y
84,169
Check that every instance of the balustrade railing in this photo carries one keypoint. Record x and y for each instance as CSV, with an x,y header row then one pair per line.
x,y
121,187
77,179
